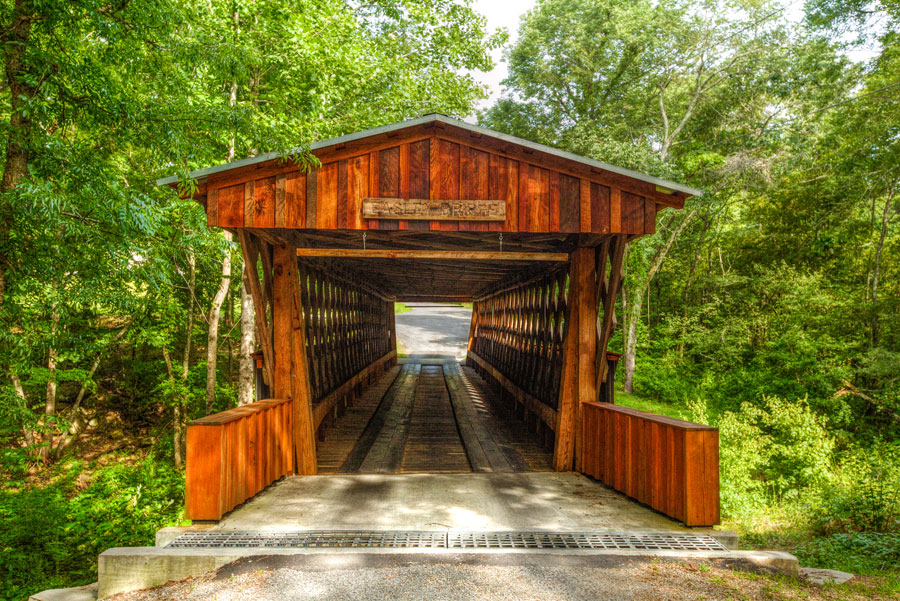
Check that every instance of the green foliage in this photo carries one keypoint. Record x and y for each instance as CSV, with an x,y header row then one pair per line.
x,y
51,535
865,494
857,553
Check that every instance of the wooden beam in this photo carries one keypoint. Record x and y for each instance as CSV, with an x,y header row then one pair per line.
x,y
250,252
450,255
610,287
564,447
291,375
585,306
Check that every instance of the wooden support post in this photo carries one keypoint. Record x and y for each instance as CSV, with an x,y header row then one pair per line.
x,y
291,376
250,251
608,289
583,262
578,383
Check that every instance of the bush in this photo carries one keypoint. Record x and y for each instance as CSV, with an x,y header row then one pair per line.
x,y
865,495
50,535
774,452
859,553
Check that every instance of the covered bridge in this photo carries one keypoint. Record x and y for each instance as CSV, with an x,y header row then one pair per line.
x,y
435,209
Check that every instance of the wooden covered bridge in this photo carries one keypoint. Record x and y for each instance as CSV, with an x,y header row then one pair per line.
x,y
435,209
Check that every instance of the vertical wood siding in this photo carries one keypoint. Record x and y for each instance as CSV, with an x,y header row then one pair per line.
x,y
234,454
538,200
669,464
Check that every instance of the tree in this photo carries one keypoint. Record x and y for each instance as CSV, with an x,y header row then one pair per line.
x,y
641,84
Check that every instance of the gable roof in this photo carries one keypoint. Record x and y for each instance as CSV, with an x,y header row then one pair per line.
x,y
438,118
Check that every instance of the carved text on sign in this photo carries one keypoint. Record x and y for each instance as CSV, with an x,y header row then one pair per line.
x,y
434,210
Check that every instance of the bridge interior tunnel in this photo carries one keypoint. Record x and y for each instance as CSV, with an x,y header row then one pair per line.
x,y
433,409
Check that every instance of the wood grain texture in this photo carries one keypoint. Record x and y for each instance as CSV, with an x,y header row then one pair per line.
x,y
263,203
615,211
503,183
357,189
650,208
474,178
569,217
388,181
234,454
212,208
600,197
669,464
230,206
419,175
534,198
632,214
327,197
444,178
295,191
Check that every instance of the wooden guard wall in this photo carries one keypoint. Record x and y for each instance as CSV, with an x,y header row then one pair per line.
x,y
234,454
669,464
350,339
539,198
517,338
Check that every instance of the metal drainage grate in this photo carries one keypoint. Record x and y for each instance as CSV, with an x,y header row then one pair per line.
x,y
364,539
373,539
583,540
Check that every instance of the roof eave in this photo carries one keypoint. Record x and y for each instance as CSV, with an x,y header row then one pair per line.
x,y
435,117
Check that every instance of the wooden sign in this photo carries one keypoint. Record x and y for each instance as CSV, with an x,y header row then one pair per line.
x,y
434,210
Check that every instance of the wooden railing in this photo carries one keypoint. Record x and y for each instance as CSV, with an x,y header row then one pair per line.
x,y
669,464
234,454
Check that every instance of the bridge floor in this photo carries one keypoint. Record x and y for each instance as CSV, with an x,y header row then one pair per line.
x,y
429,418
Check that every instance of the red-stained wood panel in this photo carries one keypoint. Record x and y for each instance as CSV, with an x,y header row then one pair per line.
x,y
534,198
632,213
294,200
615,211
585,205
444,178
599,209
669,464
203,489
327,196
554,201
233,455
474,182
569,204
389,182
419,176
249,203
649,216
403,224
230,206
503,184
343,212
357,189
212,208
263,203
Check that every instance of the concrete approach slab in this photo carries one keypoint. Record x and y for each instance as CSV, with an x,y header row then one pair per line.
x,y
546,501
134,568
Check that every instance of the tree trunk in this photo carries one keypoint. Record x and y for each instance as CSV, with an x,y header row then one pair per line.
x,y
212,338
179,409
248,324
885,217
636,297
50,398
15,43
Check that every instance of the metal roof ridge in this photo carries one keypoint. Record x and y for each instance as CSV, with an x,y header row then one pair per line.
x,y
430,118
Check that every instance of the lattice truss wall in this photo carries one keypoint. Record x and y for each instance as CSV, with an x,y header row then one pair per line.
x,y
520,331
347,329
